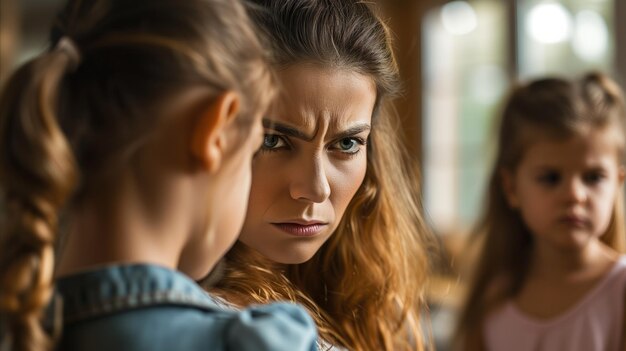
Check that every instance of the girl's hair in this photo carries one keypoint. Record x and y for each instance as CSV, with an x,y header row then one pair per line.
x,y
553,108
364,286
78,112
9,34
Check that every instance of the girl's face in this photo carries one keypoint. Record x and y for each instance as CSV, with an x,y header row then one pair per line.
x,y
312,161
225,196
232,197
566,189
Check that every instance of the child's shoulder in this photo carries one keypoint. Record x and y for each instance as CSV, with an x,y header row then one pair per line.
x,y
617,274
614,281
134,307
619,270
621,262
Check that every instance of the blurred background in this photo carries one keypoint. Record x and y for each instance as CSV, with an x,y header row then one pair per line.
x,y
457,60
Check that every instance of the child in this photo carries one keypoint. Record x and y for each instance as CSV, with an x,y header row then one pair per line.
x,y
138,126
334,220
552,275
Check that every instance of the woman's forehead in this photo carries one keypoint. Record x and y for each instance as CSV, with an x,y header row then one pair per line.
x,y
314,97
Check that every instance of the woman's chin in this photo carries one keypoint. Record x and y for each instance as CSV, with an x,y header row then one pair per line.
x,y
293,257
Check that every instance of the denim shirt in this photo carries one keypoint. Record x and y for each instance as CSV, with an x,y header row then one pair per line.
x,y
147,307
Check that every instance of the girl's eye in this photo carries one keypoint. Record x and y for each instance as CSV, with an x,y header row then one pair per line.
x,y
272,142
349,145
593,177
550,178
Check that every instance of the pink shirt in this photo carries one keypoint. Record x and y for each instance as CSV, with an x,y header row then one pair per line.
x,y
595,323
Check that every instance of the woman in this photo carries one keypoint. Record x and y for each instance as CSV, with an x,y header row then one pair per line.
x,y
334,218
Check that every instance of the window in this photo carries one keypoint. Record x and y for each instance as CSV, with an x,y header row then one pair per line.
x,y
564,37
472,52
465,76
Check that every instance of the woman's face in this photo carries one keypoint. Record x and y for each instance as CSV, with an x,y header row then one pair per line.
x,y
312,161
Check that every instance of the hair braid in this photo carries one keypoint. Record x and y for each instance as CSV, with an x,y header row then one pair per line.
x,y
37,165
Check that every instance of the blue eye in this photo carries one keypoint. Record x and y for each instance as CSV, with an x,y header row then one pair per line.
x,y
349,145
270,141
273,142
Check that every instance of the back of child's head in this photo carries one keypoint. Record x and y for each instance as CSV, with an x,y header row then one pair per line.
x,y
553,109
76,113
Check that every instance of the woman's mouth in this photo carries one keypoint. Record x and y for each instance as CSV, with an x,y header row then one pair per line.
x,y
304,230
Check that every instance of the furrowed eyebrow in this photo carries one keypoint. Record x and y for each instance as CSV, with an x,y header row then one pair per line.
x,y
354,130
285,129
293,132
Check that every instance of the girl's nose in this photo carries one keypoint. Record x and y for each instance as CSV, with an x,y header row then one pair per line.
x,y
576,191
309,181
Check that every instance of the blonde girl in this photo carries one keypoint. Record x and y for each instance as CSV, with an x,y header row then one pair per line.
x,y
137,130
334,218
551,274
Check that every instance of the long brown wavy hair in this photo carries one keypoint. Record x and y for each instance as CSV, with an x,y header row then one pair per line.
x,y
364,287
78,111
549,107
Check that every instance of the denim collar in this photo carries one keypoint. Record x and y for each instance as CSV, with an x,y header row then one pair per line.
x,y
118,288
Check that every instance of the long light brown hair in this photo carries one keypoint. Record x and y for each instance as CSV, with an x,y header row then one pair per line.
x,y
549,107
364,286
78,111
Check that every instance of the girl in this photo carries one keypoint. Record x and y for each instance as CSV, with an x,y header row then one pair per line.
x,y
333,220
552,275
139,124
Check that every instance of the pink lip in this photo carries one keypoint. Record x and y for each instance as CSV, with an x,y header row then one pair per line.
x,y
304,230
575,221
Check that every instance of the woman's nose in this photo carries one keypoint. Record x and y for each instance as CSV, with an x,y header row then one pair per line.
x,y
309,181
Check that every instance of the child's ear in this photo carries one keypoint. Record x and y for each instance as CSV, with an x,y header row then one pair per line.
x,y
621,174
508,187
208,140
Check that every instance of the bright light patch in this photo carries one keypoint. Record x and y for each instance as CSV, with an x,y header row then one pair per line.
x,y
549,23
591,35
458,17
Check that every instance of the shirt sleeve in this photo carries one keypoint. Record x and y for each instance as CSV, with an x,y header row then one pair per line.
x,y
274,327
